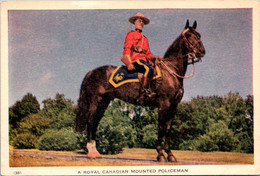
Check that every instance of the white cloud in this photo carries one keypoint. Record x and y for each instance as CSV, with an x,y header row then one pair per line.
x,y
46,79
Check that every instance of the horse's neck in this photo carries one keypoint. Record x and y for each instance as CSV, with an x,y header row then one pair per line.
x,y
177,58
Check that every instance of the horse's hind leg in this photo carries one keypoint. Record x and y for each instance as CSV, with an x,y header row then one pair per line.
x,y
91,143
96,112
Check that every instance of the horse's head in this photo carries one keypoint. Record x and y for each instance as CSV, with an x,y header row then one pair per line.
x,y
192,40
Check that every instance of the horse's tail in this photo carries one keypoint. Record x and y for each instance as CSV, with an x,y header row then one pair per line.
x,y
88,104
83,106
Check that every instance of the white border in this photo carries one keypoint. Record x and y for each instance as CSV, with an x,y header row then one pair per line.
x,y
196,4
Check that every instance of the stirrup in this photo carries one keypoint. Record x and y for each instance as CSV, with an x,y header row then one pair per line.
x,y
146,93
149,93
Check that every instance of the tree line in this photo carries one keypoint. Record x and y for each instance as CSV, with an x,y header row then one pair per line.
x,y
212,123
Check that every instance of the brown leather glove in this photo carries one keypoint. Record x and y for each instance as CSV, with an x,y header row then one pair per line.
x,y
127,61
154,58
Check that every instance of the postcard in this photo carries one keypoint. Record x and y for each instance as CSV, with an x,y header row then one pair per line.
x,y
130,87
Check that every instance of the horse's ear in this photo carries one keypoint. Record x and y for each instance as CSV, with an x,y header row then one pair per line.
x,y
194,25
187,24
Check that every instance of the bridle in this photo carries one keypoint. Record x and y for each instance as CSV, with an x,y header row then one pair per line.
x,y
191,56
192,47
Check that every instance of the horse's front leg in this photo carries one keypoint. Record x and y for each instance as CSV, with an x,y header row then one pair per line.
x,y
166,116
167,148
161,134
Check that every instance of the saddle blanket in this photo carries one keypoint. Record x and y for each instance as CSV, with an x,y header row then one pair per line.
x,y
122,76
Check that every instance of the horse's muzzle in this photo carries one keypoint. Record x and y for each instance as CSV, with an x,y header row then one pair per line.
x,y
200,54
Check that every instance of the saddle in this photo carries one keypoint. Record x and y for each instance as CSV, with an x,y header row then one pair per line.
x,y
121,75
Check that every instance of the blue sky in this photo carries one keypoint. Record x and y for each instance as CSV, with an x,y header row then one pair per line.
x,y
50,51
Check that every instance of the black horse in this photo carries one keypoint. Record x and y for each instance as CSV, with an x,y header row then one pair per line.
x,y
96,91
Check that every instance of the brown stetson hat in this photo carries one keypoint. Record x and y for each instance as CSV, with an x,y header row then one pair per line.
x,y
139,15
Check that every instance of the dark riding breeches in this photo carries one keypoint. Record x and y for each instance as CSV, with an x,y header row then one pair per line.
x,y
143,67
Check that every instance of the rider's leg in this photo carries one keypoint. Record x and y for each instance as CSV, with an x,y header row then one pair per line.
x,y
147,70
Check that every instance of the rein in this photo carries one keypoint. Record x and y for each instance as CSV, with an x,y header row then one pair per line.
x,y
190,56
174,73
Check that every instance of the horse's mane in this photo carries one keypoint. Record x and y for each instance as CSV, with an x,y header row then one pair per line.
x,y
173,48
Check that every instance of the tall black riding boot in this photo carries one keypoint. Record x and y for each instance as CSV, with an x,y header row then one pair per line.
x,y
145,91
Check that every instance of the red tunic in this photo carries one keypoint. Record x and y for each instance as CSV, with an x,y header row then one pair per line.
x,y
136,45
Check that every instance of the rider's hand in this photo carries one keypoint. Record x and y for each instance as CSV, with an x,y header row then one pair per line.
x,y
158,57
130,67
155,57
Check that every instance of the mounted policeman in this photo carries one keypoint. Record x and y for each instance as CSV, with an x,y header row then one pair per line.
x,y
105,83
137,54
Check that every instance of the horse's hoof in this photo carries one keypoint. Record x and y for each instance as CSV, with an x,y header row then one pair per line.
x,y
92,151
171,158
161,158
93,155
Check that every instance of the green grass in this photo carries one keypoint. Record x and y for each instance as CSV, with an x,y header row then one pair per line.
x,y
225,157
135,153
